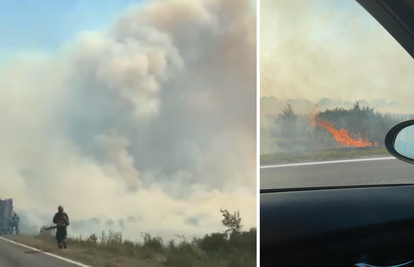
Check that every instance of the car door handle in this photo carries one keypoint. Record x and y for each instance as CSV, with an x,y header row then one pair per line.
x,y
406,264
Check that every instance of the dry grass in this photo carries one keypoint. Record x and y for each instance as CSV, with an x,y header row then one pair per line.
x,y
237,249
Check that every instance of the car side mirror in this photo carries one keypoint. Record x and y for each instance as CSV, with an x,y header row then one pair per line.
x,y
399,141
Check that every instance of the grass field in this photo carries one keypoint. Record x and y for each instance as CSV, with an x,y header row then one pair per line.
x,y
323,155
233,248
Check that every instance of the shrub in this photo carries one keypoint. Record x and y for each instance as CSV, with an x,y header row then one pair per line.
x,y
233,247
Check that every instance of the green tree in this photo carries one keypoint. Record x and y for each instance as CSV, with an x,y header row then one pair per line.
x,y
363,122
231,221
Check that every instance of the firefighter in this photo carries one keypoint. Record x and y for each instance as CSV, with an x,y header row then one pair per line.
x,y
14,223
61,219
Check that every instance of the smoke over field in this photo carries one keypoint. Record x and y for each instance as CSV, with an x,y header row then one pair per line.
x,y
332,130
135,127
321,57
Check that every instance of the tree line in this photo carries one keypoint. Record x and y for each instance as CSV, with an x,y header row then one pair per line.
x,y
359,121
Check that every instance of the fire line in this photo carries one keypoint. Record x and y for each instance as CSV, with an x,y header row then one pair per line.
x,y
342,136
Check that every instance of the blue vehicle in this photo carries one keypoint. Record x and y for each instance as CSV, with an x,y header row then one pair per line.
x,y
8,217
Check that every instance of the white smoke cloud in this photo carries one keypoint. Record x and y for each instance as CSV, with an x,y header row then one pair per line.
x,y
148,126
312,49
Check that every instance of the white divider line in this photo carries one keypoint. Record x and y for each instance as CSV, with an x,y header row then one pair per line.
x,y
323,162
47,253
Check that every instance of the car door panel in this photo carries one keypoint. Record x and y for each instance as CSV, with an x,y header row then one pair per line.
x,y
337,226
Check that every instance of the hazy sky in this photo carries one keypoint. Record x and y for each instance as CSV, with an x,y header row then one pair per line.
x,y
46,25
122,113
314,49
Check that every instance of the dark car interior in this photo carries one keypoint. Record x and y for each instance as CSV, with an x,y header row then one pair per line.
x,y
345,226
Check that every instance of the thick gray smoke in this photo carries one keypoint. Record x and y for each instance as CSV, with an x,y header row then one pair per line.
x,y
148,126
314,49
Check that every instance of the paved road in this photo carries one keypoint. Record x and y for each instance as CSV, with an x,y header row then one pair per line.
x,y
12,255
388,171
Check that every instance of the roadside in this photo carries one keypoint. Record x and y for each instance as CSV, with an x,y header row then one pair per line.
x,y
86,252
353,153
111,250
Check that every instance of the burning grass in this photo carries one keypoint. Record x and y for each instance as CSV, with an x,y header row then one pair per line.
x,y
342,136
337,133
340,153
232,248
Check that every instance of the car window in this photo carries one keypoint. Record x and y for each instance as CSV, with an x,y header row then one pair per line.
x,y
333,82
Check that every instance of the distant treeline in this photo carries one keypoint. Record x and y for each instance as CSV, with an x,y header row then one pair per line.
x,y
363,122
299,133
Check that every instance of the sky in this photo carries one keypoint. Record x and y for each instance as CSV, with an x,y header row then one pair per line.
x,y
120,112
46,25
330,49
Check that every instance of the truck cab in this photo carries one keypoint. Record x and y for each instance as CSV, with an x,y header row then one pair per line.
x,y
6,215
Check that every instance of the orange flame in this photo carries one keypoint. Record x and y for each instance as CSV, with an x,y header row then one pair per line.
x,y
342,136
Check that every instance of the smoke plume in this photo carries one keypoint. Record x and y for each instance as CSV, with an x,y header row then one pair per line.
x,y
147,126
314,49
